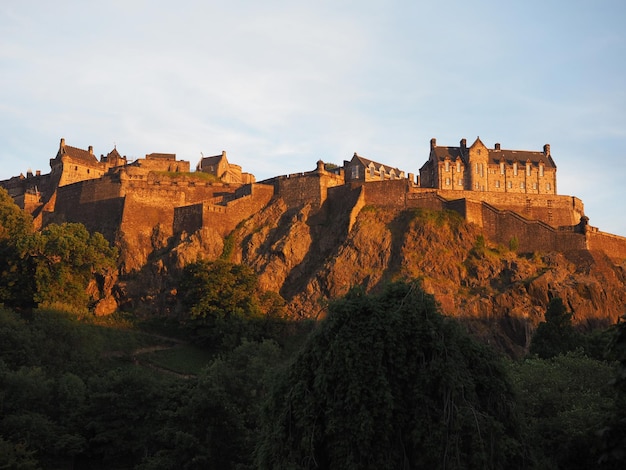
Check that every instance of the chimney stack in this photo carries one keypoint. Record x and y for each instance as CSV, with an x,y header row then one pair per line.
x,y
433,143
497,145
546,150
91,150
463,144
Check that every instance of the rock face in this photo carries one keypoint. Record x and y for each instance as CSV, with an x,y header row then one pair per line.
x,y
311,256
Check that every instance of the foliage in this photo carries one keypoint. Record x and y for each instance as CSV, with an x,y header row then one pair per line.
x,y
224,304
217,425
53,266
614,430
66,258
16,287
387,382
556,335
563,400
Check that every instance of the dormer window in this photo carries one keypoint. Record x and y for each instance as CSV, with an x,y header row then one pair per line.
x,y
515,168
541,169
458,167
501,168
528,169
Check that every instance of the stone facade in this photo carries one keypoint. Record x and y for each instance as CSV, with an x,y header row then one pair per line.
x,y
478,168
220,167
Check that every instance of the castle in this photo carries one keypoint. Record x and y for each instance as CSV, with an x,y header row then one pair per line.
x,y
511,194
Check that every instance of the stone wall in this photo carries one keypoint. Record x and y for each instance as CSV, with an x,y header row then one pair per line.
x,y
613,245
552,209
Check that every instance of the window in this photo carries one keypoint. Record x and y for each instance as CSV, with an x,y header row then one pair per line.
x,y
372,171
541,170
501,168
458,167
535,186
522,185
476,185
528,169
477,171
515,168
460,182
548,187
447,181
509,184
355,172
482,170
447,165
497,183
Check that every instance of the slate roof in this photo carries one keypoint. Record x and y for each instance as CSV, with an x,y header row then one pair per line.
x,y
366,164
77,154
496,156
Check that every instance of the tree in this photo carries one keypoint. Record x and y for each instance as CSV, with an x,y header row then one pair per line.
x,y
614,432
563,401
556,335
16,286
221,300
387,382
65,259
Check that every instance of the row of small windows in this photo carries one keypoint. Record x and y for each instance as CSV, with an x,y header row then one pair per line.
x,y
509,184
480,169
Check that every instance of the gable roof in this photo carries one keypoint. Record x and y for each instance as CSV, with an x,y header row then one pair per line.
x,y
366,163
75,153
496,155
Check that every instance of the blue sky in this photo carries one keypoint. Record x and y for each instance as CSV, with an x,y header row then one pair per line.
x,y
282,84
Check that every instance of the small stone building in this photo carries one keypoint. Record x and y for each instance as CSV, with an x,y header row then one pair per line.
x,y
361,169
478,168
226,172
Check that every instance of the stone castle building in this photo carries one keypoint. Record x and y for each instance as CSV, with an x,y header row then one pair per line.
x,y
511,194
478,168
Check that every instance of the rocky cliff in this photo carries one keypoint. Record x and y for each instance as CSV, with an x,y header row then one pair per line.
x,y
311,255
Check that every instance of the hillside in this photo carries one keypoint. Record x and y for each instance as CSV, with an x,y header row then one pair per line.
x,y
310,256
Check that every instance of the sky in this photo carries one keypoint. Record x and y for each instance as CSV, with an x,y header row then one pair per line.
x,y
280,85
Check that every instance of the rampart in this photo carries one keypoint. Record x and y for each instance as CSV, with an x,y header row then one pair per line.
x,y
311,187
248,200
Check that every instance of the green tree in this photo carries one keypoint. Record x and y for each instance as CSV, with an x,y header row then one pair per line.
x,y
387,382
614,430
66,258
556,335
16,286
221,300
563,402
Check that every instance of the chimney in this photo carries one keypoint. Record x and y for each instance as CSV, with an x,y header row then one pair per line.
x,y
546,150
433,143
38,172
91,150
62,142
497,145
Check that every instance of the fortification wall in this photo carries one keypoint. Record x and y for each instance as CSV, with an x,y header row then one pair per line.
x,y
549,208
98,204
613,245
298,189
388,193
530,235
224,219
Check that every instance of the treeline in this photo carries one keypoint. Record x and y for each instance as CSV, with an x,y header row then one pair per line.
x,y
384,381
